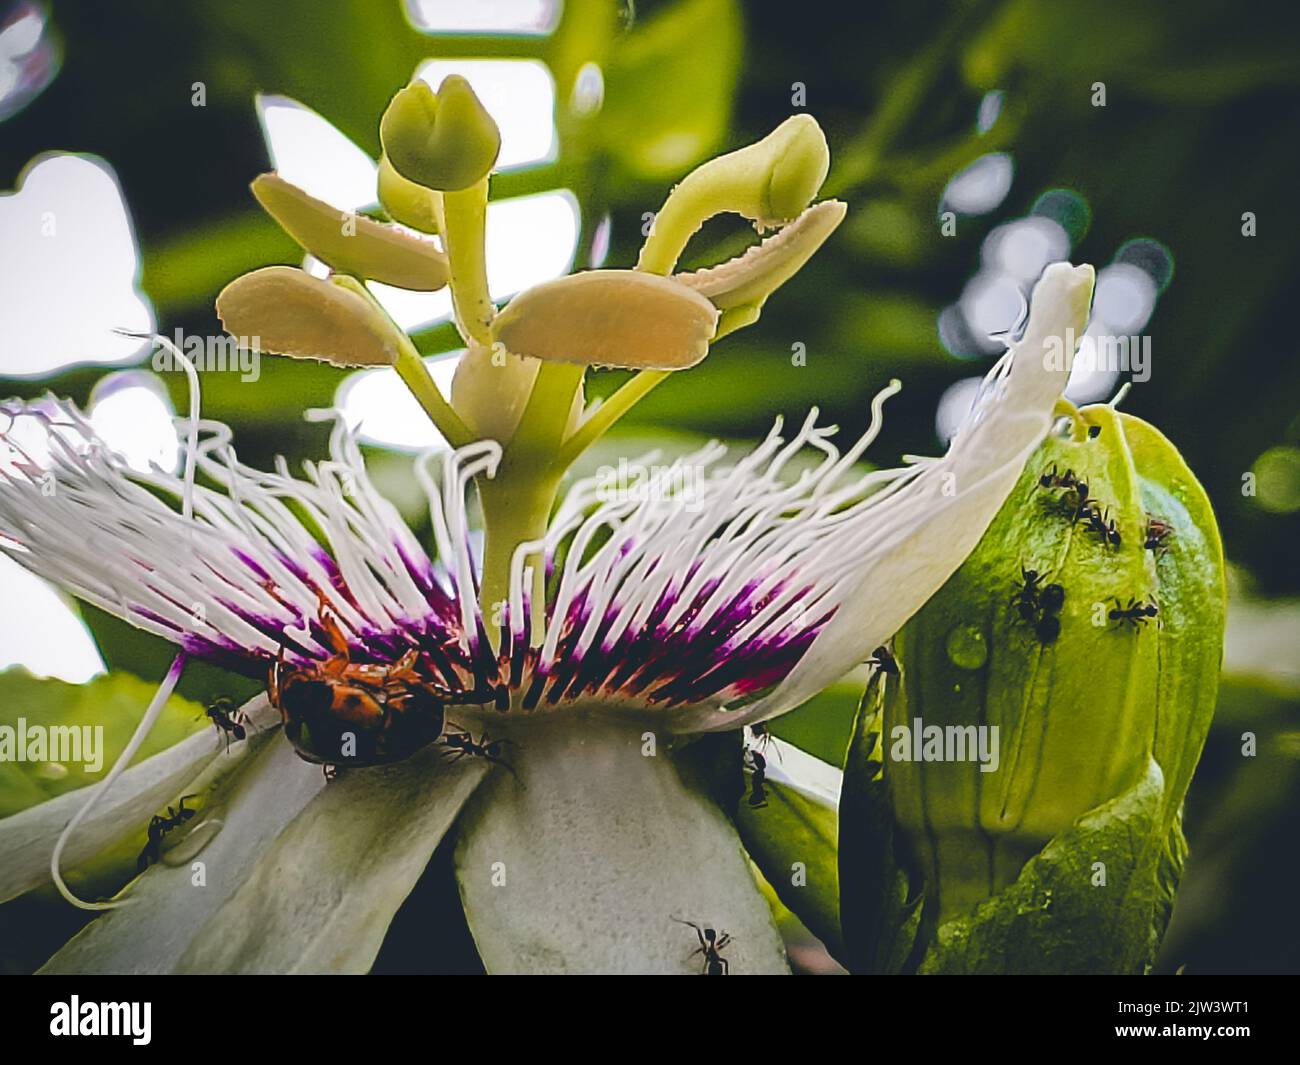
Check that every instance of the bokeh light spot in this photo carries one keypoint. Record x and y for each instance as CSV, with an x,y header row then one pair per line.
x,y
955,403
70,265
1067,209
382,411
45,637
306,150
1150,256
980,187
1025,247
484,16
1124,299
1277,479
132,413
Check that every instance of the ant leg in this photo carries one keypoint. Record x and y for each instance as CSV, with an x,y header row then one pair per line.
x,y
699,933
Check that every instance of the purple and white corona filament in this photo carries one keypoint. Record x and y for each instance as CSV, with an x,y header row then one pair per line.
x,y
726,611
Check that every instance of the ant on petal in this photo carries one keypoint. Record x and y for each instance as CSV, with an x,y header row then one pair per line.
x,y
1099,521
1076,496
757,792
463,744
228,723
760,739
1025,597
711,946
159,826
1039,604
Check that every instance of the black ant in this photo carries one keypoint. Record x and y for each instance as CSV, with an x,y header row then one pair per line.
x,y
757,793
761,739
711,946
225,722
1052,598
1039,604
1135,614
463,744
159,826
1047,628
1157,533
1076,498
1051,479
1099,521
1025,598
883,659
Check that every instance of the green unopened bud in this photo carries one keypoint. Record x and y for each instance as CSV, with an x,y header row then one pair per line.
x,y
769,182
350,243
1054,698
444,140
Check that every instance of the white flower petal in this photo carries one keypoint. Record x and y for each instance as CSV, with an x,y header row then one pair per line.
x,y
246,809
631,846
321,897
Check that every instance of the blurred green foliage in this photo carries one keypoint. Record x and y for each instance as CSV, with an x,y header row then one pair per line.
x,y
1203,101
113,702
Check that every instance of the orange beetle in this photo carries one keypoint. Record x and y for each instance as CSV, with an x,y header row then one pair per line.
x,y
338,712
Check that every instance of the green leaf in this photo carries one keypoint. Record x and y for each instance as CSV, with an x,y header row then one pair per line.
x,y
590,859
112,702
319,899
27,838
800,825
241,809
1058,918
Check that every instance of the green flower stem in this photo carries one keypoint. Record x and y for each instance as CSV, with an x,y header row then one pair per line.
x,y
628,395
517,505
545,419
412,370
464,233
518,501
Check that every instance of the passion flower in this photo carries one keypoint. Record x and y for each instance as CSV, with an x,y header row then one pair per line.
x,y
539,697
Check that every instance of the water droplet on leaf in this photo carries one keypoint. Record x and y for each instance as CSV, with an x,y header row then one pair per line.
x,y
967,648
